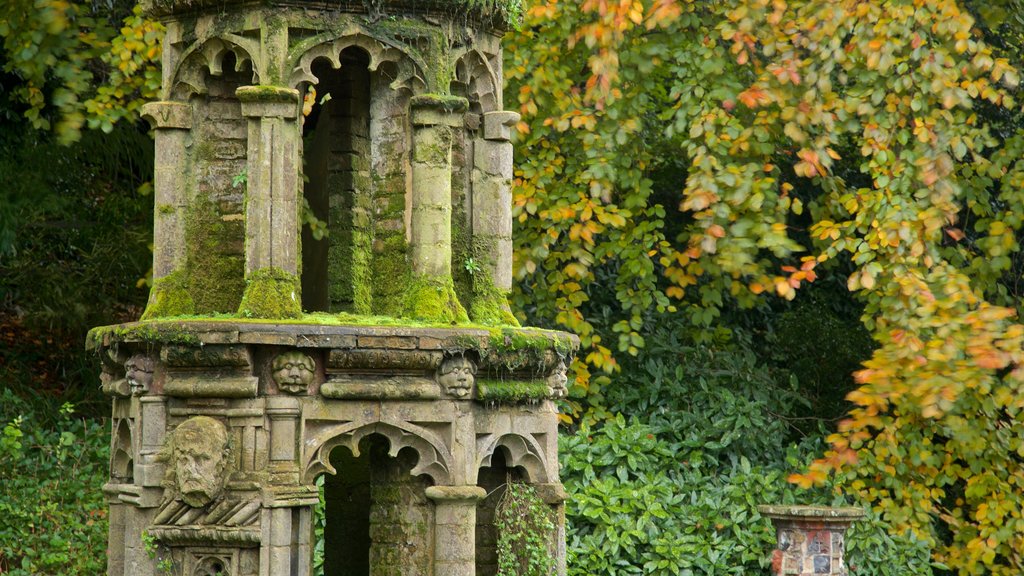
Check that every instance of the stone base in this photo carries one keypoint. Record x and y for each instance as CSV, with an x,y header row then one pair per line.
x,y
225,428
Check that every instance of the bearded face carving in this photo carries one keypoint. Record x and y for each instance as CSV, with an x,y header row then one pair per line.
x,y
456,376
293,372
138,372
197,455
558,380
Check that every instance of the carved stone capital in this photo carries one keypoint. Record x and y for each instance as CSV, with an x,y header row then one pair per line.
x,y
269,101
168,115
498,125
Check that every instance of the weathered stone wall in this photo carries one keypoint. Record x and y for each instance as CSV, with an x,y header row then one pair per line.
x,y
401,518
214,221
391,181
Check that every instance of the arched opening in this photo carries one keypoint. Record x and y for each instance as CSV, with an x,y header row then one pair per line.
x,y
378,519
121,462
336,143
493,479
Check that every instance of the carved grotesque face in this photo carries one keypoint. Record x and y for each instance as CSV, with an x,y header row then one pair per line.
x,y
293,372
456,376
138,371
199,460
557,381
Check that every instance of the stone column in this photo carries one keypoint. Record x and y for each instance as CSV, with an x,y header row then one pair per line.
x,y
149,472
272,181
455,528
810,539
432,296
284,415
433,119
492,196
171,122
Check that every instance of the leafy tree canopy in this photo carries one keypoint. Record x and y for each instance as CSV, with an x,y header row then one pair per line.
x,y
876,140
73,66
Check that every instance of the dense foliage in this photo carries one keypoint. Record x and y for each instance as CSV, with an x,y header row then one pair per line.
x,y
78,64
675,491
874,141
53,517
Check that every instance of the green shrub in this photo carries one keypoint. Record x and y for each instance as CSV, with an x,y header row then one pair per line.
x,y
53,517
674,488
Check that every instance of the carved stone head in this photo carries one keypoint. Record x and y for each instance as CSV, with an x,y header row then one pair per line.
x,y
456,376
197,457
293,372
138,372
558,380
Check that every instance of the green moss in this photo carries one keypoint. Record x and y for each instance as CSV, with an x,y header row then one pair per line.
x,y
214,264
510,390
150,332
267,94
271,293
444,102
490,307
165,209
530,340
433,300
169,297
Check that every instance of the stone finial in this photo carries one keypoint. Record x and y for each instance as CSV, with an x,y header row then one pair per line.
x,y
197,456
456,376
138,372
810,539
293,372
557,381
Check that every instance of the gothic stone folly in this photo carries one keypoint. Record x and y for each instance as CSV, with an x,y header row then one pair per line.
x,y
331,263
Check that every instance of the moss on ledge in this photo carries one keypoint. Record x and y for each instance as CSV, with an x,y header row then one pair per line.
x,y
271,293
434,300
510,391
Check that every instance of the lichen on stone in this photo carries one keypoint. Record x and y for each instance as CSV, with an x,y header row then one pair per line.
x,y
271,293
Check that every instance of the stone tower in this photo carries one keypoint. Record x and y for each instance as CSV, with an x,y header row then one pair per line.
x,y
331,262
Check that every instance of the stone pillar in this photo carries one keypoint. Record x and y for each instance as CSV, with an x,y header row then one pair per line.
x,y
810,539
284,415
272,181
433,119
432,295
492,196
117,519
149,473
455,528
171,122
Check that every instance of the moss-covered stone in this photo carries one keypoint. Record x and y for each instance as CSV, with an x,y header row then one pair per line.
x,y
214,263
169,297
434,300
510,391
490,307
441,102
271,293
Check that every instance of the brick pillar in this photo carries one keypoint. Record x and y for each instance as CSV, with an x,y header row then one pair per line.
x,y
171,122
455,528
810,539
272,186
